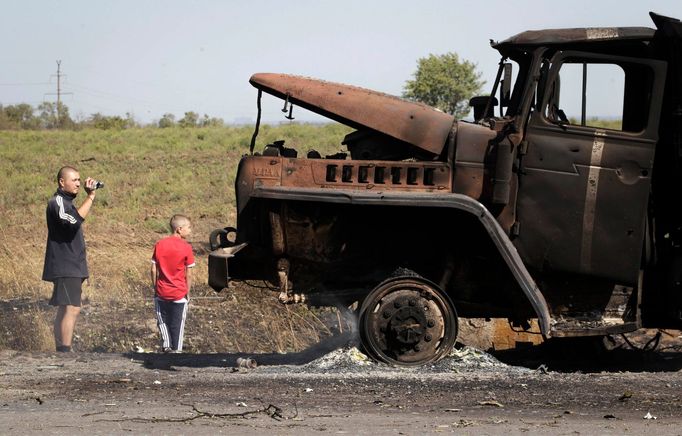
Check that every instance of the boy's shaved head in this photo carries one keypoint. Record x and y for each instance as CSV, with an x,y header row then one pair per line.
x,y
178,221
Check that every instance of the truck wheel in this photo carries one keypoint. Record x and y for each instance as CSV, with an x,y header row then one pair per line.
x,y
407,321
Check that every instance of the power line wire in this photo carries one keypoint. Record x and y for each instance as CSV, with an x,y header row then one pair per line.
x,y
26,84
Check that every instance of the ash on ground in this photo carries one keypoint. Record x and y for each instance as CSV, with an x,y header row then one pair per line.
x,y
352,360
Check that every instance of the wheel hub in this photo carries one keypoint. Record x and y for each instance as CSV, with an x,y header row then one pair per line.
x,y
407,325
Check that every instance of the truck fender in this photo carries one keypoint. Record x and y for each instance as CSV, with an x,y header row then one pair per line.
x,y
441,200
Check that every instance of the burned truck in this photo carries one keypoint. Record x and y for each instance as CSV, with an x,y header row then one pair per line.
x,y
536,210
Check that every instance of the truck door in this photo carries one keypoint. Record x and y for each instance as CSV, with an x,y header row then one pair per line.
x,y
584,180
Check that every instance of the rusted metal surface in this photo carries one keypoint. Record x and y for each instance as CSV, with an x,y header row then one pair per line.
x,y
344,174
470,169
498,334
413,123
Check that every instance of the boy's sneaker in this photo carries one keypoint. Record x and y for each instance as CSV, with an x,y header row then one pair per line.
x,y
64,348
167,350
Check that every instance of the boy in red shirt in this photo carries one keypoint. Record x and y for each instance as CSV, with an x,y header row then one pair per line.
x,y
172,278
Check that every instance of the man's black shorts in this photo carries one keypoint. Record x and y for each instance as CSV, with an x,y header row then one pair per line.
x,y
67,291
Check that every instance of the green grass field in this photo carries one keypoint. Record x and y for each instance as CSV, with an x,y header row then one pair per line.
x,y
149,175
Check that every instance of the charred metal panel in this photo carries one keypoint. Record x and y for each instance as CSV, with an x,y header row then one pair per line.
x,y
473,146
345,174
583,200
414,123
584,189
578,35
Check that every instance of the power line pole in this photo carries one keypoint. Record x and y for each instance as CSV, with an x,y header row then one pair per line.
x,y
59,88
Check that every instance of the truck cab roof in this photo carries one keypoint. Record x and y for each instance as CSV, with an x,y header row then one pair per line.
x,y
583,35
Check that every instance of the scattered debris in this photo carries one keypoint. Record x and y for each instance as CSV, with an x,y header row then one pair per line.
x,y
626,396
649,416
490,403
609,416
464,423
308,389
157,382
543,369
54,366
271,410
241,404
246,362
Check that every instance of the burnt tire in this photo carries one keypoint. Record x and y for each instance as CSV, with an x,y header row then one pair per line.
x,y
407,321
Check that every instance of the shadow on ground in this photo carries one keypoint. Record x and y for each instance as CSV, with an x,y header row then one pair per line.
x,y
578,355
598,355
167,361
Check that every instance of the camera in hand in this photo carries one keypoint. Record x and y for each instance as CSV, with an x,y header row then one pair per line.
x,y
98,184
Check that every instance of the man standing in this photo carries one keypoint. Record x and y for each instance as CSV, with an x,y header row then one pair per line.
x,y
65,262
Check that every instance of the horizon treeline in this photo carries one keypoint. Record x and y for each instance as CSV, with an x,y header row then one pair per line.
x,y
49,115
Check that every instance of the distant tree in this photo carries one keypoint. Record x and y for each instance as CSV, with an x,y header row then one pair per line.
x,y
167,120
53,115
444,82
189,120
207,121
65,121
20,116
130,121
4,121
105,122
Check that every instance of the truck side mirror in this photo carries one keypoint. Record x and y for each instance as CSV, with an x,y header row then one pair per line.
x,y
479,104
505,89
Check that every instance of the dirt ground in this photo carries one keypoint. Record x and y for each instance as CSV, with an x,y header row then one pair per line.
x,y
332,388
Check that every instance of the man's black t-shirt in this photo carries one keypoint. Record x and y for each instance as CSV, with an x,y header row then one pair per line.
x,y
65,251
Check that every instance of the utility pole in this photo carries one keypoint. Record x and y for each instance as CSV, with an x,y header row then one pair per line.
x,y
59,88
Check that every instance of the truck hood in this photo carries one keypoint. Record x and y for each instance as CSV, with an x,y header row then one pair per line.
x,y
415,123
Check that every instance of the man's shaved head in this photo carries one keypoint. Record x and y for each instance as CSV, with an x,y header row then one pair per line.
x,y
63,170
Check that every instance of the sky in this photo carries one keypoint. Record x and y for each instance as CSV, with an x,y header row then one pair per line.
x,y
148,57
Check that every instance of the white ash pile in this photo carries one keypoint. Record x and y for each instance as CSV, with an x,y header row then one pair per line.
x,y
343,359
352,360
469,359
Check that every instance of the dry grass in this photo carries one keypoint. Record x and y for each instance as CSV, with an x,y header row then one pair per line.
x,y
26,317
150,174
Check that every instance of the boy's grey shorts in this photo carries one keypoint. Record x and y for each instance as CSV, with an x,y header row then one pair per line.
x,y
67,291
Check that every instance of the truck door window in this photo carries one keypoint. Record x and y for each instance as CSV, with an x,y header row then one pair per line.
x,y
599,94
